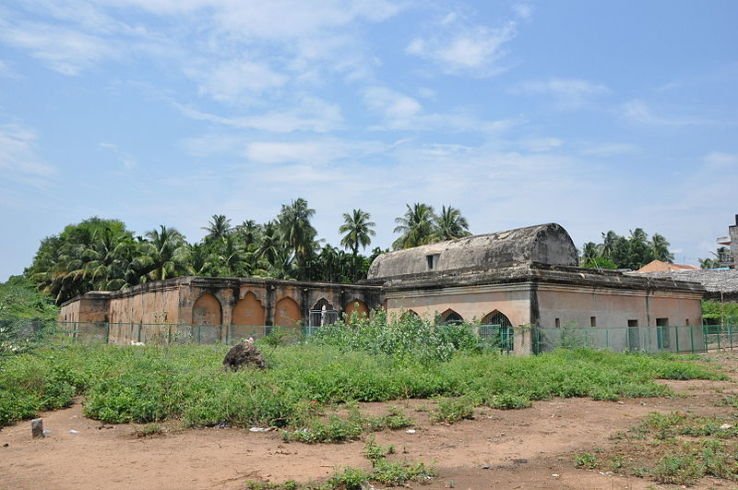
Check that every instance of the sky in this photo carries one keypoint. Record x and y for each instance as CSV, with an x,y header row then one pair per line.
x,y
595,115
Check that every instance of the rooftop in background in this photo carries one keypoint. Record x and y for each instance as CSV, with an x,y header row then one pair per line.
x,y
719,284
730,259
659,266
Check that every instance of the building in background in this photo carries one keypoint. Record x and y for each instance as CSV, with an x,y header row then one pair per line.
x,y
728,251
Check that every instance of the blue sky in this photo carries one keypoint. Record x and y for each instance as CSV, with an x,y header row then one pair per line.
x,y
595,115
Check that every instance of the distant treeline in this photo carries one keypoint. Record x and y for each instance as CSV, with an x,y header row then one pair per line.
x,y
102,254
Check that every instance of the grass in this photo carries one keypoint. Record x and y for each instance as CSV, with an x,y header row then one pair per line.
x,y
186,382
384,471
677,448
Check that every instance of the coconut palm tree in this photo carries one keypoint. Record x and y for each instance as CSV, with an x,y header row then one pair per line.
x,y
415,226
358,230
218,227
450,224
660,248
296,230
164,254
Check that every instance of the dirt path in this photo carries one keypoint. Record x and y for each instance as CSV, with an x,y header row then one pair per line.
x,y
531,448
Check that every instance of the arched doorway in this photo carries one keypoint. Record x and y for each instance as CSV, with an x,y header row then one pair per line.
x,y
497,329
322,313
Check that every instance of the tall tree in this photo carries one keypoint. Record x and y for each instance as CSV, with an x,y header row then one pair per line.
x,y
218,227
357,229
164,254
450,224
297,231
660,248
416,226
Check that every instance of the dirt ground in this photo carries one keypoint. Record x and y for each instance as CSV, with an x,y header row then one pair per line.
x,y
530,448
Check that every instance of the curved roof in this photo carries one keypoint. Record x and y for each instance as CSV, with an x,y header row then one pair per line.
x,y
547,244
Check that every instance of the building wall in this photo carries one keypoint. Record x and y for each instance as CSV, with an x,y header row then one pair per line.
x,y
92,308
472,303
612,309
156,304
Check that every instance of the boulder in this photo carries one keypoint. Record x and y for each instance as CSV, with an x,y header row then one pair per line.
x,y
243,354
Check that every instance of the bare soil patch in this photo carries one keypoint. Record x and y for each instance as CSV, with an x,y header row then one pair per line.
x,y
529,448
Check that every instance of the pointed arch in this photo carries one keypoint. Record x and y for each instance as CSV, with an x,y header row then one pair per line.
x,y
207,310
248,311
321,303
497,318
450,316
287,313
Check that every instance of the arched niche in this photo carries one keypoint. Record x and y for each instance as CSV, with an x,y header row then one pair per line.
x,y
248,311
356,306
207,311
287,313
450,317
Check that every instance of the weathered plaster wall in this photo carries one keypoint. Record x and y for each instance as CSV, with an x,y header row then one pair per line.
x,y
471,303
92,308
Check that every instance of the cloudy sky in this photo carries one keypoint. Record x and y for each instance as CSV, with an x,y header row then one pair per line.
x,y
595,115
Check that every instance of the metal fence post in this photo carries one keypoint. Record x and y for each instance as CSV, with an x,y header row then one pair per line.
x,y
676,334
107,333
691,338
730,334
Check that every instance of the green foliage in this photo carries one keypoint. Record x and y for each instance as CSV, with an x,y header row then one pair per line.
x,y
631,252
153,383
407,338
420,225
586,460
20,300
719,312
450,410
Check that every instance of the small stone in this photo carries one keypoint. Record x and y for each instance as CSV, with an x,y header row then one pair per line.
x,y
6,445
410,431
37,429
72,431
486,467
726,426
555,475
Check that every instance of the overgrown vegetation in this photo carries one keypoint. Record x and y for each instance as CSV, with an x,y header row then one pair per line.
x,y
26,316
186,382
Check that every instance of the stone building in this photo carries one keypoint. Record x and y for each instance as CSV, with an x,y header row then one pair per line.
x,y
522,279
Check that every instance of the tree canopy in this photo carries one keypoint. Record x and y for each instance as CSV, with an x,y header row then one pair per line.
x,y
621,252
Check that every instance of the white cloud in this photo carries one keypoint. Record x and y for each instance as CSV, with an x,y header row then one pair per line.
x,y
638,112
235,79
19,158
569,93
309,114
459,46
64,50
316,153
538,145
402,112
